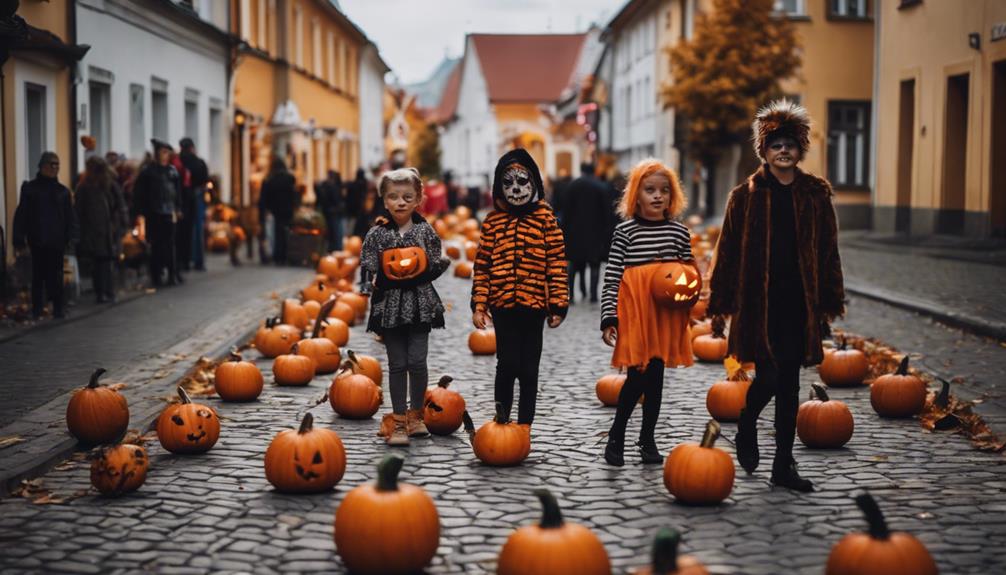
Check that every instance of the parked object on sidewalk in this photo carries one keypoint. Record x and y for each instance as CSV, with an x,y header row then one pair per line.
x,y
727,398
275,338
120,469
237,379
500,441
482,341
822,422
710,348
553,546
97,414
879,551
367,365
608,387
353,395
293,368
306,460
188,427
403,515
665,560
899,394
700,474
843,367
443,408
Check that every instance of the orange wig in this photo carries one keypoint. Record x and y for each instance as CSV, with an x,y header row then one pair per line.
x,y
627,205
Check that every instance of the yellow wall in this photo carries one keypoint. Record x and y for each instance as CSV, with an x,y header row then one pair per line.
x,y
255,86
517,113
329,109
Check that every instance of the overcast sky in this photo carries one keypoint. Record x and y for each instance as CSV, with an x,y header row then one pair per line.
x,y
414,35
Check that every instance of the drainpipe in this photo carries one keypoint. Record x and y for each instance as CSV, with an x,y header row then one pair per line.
x,y
874,115
71,33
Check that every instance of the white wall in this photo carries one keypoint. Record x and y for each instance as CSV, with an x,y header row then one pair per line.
x,y
470,144
371,109
636,112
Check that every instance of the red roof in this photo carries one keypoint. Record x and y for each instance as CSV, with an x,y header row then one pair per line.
x,y
449,98
527,67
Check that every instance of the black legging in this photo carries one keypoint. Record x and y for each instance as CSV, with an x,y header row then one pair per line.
x,y
649,382
581,269
518,353
783,382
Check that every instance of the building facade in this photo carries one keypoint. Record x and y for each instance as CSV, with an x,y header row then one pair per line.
x,y
941,118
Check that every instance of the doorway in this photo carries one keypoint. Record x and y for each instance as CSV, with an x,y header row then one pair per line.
x,y
955,146
906,148
997,179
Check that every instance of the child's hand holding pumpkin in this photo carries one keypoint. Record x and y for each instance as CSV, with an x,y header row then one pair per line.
x,y
609,335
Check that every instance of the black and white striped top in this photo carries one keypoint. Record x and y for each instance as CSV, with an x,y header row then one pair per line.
x,y
638,242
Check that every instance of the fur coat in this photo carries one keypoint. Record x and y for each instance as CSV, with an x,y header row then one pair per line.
x,y
739,284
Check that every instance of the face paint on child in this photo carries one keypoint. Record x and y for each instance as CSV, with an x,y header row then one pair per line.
x,y
654,197
517,187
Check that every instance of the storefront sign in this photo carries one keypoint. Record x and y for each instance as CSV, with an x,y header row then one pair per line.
x,y
998,31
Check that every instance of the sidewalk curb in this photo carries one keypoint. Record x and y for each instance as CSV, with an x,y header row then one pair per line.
x,y
73,317
976,325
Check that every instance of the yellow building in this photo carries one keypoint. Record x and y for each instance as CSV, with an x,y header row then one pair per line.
x,y
941,132
37,54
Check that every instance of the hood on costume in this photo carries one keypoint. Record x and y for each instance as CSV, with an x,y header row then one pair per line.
x,y
781,118
524,159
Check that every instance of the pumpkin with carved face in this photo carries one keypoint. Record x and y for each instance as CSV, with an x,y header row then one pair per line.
x,y
119,469
188,427
307,460
403,263
676,285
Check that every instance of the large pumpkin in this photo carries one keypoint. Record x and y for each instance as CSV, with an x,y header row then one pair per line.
x,y
238,380
899,394
443,408
367,365
879,551
307,460
553,546
482,341
119,469
727,398
710,348
843,367
500,441
404,263
354,395
387,528
293,368
292,313
823,422
700,474
665,559
188,427
463,270
326,355
676,285
318,291
97,414
276,338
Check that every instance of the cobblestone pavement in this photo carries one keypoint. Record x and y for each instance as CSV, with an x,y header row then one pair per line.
x,y
217,512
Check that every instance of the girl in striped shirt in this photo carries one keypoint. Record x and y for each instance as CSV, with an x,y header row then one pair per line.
x,y
646,336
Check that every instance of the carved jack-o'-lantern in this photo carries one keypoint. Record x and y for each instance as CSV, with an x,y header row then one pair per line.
x,y
403,263
676,285
308,460
188,427
119,469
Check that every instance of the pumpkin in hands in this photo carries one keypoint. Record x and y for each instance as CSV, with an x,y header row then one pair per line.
x,y
306,460
676,285
293,368
500,441
879,551
700,474
237,379
97,414
727,398
188,427
443,408
354,395
119,469
899,394
482,341
843,367
665,559
404,263
822,422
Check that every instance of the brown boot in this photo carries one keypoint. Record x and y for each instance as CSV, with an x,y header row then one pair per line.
x,y
414,423
399,437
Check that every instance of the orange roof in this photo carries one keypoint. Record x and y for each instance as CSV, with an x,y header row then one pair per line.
x,y
527,67
449,98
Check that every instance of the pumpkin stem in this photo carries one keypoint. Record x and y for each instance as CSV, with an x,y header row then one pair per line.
x,y
466,420
943,397
295,348
93,383
501,415
387,472
184,395
352,357
842,343
903,366
306,424
818,392
326,308
874,516
665,550
234,354
551,516
711,434
445,381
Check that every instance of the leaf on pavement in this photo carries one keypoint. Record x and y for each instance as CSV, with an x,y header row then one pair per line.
x,y
9,440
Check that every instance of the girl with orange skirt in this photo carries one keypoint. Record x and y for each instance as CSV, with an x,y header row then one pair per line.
x,y
647,336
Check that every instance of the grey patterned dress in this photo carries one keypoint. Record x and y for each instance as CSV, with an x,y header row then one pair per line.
x,y
394,303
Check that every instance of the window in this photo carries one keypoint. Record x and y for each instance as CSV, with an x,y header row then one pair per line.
x,y
790,7
244,29
261,34
298,37
137,131
192,115
316,48
343,78
852,9
159,108
35,138
908,3
100,95
848,143
216,138
330,56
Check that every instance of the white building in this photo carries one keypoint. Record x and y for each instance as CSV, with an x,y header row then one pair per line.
x,y
372,71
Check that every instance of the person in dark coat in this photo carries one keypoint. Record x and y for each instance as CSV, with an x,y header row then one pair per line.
x,y
331,205
585,213
453,191
279,198
194,205
45,222
357,214
158,198
103,218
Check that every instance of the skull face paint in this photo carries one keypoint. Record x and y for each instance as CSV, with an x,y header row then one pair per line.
x,y
517,187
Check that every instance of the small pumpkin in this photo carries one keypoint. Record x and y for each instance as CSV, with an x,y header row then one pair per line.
x,y
440,227
676,285
443,408
306,460
482,341
354,395
343,311
355,301
709,348
96,414
293,368
317,291
899,394
311,307
608,387
699,309
353,245
276,338
119,469
336,330
471,248
665,559
700,474
333,267
188,427
463,270
701,328
292,313
323,351
367,365
843,367
453,252
403,515
238,380
499,441
822,422
879,551
727,398
553,546
404,263
463,213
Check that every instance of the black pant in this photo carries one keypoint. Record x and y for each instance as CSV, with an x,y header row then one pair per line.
x,y
46,279
518,353
104,286
279,236
183,238
581,269
407,347
161,233
649,382
780,379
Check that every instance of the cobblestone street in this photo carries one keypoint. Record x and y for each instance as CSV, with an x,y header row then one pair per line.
x,y
217,511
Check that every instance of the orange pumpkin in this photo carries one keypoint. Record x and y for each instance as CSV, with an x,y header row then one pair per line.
x,y
879,551
463,270
822,422
440,227
710,348
404,263
500,441
843,367
727,398
345,312
354,395
334,267
367,365
453,252
403,515
323,351
700,474
553,546
308,460
463,213
699,309
471,249
353,245
119,469
608,387
676,285
701,328
292,313
276,338
443,408
318,292
293,368
311,307
355,301
898,394
665,559
188,427
482,341
238,380
336,330
97,414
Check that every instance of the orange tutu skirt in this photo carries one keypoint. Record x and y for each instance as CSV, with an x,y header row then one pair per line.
x,y
647,330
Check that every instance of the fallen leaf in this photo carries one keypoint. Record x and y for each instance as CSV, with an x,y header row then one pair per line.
x,y
9,440
48,500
